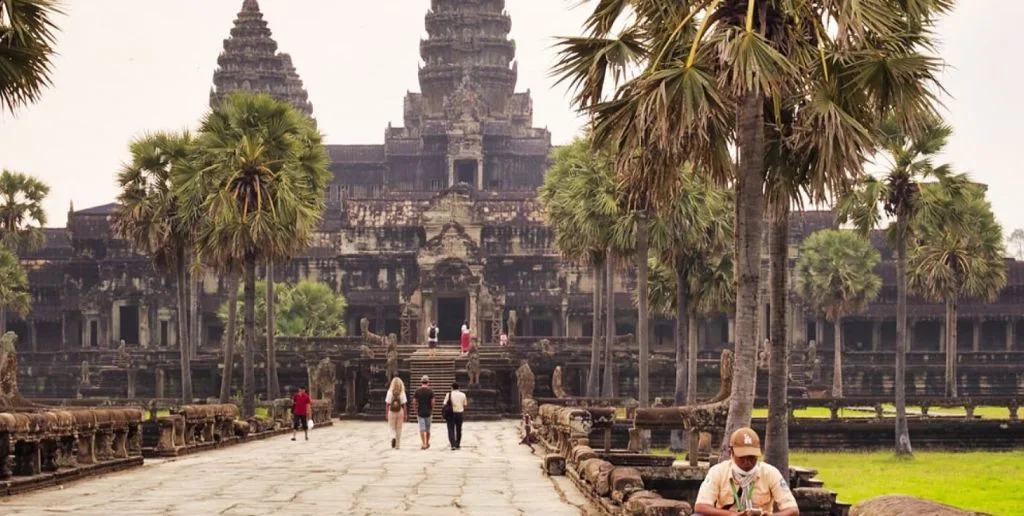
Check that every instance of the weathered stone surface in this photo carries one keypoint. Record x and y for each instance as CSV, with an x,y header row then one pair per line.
x,y
582,453
900,504
554,464
595,471
623,482
655,506
347,468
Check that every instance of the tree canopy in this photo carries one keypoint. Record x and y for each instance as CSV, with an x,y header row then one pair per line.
x,y
306,309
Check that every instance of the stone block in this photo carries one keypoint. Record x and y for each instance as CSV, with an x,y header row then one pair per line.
x,y
554,465
595,471
655,506
900,504
624,481
582,453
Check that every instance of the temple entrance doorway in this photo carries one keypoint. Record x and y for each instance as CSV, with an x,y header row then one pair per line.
x,y
129,318
451,313
466,171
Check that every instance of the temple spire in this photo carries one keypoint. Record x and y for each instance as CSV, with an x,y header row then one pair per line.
x,y
251,62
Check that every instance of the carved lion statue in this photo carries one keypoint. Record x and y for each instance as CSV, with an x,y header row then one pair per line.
x,y
392,355
556,383
473,365
525,380
8,366
324,379
725,365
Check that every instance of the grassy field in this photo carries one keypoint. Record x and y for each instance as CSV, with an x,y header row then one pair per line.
x,y
981,481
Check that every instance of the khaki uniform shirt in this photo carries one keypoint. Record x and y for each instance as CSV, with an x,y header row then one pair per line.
x,y
770,489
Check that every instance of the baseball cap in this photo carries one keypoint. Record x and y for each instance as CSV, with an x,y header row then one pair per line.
x,y
425,379
745,443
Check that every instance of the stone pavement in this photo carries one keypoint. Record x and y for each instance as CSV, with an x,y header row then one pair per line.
x,y
348,468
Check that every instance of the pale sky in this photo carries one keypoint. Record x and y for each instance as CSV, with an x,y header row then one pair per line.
x,y
128,66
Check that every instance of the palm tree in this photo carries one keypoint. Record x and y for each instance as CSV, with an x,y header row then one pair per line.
x,y
26,49
14,288
266,179
690,78
149,217
953,259
579,196
22,216
899,194
580,227
835,275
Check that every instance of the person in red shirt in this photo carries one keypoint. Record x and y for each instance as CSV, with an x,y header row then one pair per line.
x,y
302,408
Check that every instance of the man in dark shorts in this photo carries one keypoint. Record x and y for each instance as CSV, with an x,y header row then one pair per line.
x,y
301,409
424,410
432,333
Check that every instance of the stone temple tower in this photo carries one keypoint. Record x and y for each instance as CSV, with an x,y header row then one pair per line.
x,y
250,62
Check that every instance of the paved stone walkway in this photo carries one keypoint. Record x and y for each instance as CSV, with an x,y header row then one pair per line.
x,y
348,468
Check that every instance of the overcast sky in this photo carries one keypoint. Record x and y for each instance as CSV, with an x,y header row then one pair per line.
x,y
127,66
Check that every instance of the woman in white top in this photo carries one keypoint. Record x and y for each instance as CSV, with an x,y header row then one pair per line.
x,y
394,406
459,403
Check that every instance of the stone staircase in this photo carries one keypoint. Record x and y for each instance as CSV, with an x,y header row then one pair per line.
x,y
440,369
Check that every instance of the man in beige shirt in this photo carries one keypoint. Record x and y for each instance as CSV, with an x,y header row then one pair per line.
x,y
742,486
458,402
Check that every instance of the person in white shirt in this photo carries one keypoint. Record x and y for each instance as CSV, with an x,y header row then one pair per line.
x,y
396,414
458,402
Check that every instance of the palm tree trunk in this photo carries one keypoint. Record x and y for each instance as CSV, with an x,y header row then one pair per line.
x,y
195,326
682,349
183,336
3,320
642,238
951,349
272,385
749,218
837,358
608,389
230,339
777,431
249,330
594,377
691,379
903,448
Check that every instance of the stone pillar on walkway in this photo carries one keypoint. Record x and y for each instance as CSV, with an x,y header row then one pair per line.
x,y
976,335
161,382
876,335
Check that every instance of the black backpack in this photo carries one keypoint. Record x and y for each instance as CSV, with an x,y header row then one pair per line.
x,y
432,333
396,404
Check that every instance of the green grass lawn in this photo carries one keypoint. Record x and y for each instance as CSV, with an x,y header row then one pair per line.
x,y
982,481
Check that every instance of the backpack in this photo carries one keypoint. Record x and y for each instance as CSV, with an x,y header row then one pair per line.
x,y
447,411
432,333
396,404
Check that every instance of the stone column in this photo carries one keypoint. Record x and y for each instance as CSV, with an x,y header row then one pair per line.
x,y
473,319
451,172
144,333
942,340
976,335
480,175
876,335
731,330
1011,333
63,331
819,330
910,333
32,334
378,316
565,317
132,374
104,335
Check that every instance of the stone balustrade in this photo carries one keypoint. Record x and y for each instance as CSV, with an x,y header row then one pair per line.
x,y
196,426
43,442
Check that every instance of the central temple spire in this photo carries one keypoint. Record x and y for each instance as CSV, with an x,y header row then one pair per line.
x,y
467,41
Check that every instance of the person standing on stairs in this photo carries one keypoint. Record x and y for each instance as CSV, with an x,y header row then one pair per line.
x,y
455,404
432,332
424,410
465,337
396,402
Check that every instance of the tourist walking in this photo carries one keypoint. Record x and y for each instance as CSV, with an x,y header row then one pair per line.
x,y
302,410
432,333
455,404
465,338
744,486
395,401
424,410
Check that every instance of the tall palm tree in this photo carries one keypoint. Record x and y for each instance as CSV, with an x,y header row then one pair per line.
x,y
14,288
22,216
950,260
685,80
26,48
149,217
266,177
899,194
580,220
835,275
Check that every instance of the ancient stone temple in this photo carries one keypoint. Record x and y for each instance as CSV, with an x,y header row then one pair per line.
x,y
440,222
